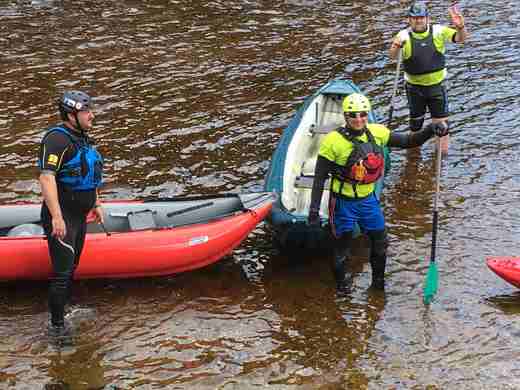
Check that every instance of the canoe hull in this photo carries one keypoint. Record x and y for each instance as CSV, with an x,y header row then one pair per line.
x,y
508,268
143,253
292,233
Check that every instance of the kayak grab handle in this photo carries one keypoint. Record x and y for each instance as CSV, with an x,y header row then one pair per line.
x,y
125,214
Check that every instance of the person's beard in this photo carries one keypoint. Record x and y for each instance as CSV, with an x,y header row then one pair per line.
x,y
354,132
422,29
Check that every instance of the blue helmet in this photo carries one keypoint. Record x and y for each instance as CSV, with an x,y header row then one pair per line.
x,y
418,9
74,101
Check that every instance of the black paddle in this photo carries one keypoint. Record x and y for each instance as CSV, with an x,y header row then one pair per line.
x,y
394,89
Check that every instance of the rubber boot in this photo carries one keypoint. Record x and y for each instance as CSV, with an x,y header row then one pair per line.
x,y
378,273
343,281
60,335
341,258
59,289
59,329
378,245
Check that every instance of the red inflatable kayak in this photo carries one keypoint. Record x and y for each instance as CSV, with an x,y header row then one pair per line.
x,y
508,268
142,238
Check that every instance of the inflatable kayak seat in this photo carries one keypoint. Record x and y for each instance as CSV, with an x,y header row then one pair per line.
x,y
26,230
308,167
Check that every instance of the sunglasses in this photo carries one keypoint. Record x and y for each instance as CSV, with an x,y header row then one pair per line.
x,y
360,114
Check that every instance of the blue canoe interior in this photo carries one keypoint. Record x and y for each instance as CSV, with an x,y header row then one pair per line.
x,y
291,172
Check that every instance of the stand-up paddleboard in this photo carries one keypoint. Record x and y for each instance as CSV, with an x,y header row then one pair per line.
x,y
508,268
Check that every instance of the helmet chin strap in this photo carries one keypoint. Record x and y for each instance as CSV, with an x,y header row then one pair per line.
x,y
78,126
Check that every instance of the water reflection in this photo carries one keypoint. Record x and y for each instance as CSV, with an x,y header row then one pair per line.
x,y
192,97
409,193
80,368
321,335
509,304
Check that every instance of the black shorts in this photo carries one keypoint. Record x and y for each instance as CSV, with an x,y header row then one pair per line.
x,y
433,97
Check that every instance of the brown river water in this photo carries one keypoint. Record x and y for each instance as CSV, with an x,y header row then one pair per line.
x,y
191,99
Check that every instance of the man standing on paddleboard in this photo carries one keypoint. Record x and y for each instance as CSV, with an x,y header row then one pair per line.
x,y
421,47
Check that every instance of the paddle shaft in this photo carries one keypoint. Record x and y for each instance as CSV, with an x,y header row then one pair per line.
x,y
396,82
436,200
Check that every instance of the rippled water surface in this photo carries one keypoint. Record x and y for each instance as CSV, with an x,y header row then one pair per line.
x,y
191,99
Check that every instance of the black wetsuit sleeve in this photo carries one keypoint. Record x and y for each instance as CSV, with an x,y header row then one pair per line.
x,y
55,149
410,139
321,173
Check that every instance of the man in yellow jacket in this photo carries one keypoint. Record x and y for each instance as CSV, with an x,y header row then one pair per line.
x,y
353,155
423,48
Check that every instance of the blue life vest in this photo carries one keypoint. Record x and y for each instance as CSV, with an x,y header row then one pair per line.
x,y
84,171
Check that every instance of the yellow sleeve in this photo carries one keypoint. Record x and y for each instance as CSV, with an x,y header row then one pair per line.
x,y
381,133
448,34
327,147
385,134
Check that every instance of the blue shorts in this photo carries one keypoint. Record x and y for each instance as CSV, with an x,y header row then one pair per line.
x,y
366,212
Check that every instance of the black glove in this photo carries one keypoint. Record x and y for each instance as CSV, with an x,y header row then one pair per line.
x,y
314,218
439,129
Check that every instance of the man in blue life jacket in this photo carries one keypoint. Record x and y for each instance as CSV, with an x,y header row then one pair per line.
x,y
423,48
70,174
353,156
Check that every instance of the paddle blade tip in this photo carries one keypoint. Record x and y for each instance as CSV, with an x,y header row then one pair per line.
x,y
431,284
428,298
429,293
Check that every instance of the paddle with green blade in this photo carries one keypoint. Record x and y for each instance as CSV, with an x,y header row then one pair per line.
x,y
432,277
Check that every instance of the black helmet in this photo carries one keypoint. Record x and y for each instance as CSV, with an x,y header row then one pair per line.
x,y
74,101
418,9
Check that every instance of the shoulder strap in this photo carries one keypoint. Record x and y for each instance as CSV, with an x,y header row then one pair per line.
x,y
436,29
344,132
59,129
370,137
76,141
